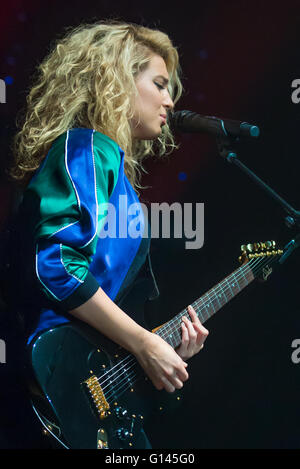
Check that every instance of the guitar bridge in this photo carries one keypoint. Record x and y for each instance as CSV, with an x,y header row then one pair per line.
x,y
97,396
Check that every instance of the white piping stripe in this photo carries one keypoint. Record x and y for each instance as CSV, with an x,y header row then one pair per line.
x,y
63,228
67,168
77,197
69,273
95,187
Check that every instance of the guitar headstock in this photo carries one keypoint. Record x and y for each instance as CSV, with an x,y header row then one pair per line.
x,y
262,251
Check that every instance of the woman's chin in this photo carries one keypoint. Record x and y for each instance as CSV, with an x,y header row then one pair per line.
x,y
149,134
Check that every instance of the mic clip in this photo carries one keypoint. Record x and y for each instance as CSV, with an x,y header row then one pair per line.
x,y
225,147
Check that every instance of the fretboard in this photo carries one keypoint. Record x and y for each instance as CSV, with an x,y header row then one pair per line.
x,y
208,304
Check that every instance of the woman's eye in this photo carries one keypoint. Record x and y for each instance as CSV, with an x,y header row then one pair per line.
x,y
159,86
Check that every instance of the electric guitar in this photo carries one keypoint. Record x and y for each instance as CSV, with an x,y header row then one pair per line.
x,y
90,393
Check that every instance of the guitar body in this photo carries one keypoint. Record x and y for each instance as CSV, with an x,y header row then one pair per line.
x,y
62,361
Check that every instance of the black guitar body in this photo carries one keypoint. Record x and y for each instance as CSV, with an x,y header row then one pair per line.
x,y
63,359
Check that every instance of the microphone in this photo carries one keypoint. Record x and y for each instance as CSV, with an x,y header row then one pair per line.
x,y
191,122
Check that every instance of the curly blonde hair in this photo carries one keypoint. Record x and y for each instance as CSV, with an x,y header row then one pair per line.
x,y
88,80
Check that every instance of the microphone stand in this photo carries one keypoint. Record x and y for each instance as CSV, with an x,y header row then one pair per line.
x,y
293,216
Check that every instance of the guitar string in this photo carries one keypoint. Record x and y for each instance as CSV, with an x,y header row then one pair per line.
x,y
124,387
130,359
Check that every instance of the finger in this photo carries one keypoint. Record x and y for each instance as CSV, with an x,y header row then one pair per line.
x,y
193,314
175,380
196,322
182,374
202,334
168,386
184,328
192,333
181,350
185,336
202,329
157,383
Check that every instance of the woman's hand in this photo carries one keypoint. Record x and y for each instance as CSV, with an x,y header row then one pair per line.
x,y
162,364
193,335
165,366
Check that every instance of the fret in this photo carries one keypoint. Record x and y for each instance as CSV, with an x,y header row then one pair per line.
x,y
235,287
215,301
216,298
249,274
169,333
173,335
228,284
200,312
227,290
177,336
209,304
221,295
207,312
243,279
235,284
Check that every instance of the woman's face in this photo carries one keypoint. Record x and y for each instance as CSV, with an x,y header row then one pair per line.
x,y
153,101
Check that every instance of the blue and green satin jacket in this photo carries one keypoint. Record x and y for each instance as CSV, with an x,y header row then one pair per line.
x,y
63,255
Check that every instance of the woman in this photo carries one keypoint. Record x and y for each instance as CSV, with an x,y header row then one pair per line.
x,y
98,107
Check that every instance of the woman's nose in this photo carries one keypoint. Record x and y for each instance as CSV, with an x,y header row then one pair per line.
x,y
168,103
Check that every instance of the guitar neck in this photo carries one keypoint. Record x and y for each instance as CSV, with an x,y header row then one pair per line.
x,y
208,304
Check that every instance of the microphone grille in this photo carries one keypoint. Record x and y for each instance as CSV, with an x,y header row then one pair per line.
x,y
176,119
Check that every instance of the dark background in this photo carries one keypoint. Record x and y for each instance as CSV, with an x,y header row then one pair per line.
x,y
239,59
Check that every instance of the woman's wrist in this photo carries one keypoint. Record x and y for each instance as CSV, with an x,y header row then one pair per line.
x,y
137,343
104,315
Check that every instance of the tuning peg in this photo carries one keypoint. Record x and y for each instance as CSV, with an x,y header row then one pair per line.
x,y
270,244
247,247
254,247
